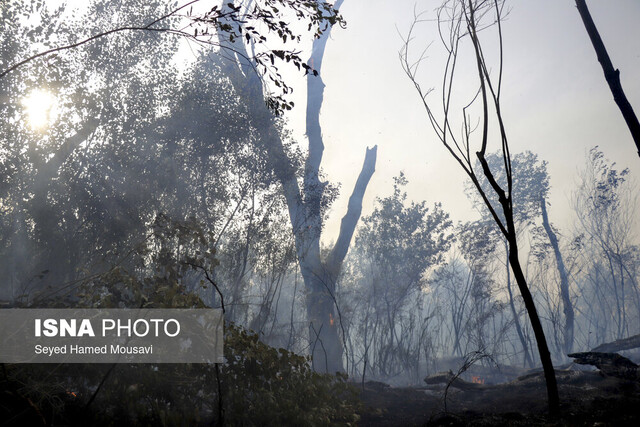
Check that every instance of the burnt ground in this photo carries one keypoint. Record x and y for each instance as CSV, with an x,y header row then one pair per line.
x,y
587,399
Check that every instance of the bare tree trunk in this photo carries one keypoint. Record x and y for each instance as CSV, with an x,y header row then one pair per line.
x,y
611,74
320,278
567,306
305,204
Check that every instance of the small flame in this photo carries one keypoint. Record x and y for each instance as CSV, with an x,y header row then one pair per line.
x,y
72,393
330,319
477,380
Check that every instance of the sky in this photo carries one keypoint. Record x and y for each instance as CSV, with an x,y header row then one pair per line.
x,y
555,100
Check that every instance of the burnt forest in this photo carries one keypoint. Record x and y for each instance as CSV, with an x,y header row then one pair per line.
x,y
406,213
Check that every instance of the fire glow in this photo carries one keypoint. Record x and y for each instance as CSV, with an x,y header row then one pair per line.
x,y
477,380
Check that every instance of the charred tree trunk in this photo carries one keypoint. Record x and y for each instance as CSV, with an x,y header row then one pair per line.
x,y
528,361
508,229
567,306
461,20
611,364
326,345
619,345
611,74
543,349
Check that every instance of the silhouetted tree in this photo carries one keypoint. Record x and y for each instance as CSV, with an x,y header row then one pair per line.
x,y
611,75
460,20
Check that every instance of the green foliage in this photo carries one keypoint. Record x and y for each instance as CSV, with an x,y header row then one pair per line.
x,y
167,269
230,24
267,386
260,385
221,26
133,136
403,241
136,136
395,248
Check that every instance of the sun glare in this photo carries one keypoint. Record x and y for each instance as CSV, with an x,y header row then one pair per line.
x,y
40,106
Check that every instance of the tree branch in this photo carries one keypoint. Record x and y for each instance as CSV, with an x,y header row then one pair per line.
x,y
313,187
610,73
350,220
96,37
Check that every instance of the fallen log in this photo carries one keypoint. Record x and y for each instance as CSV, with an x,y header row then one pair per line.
x,y
609,364
454,381
619,345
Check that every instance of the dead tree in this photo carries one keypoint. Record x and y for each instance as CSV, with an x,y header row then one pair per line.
x,y
619,345
567,305
611,74
460,20
611,364
305,202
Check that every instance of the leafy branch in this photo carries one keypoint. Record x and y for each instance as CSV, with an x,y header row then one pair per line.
x,y
206,29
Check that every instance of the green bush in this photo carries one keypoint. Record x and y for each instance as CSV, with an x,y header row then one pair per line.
x,y
260,386
267,386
